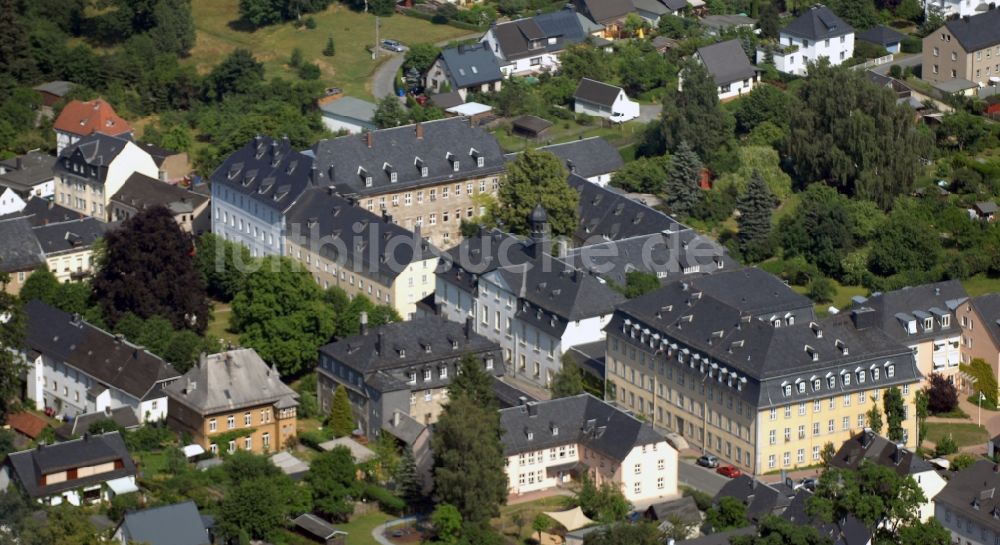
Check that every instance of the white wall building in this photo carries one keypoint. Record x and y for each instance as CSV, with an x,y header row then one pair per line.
x,y
10,201
602,100
729,67
817,33
91,171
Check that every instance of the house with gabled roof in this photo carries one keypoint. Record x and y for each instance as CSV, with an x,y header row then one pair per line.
x,y
175,524
79,119
610,14
969,505
729,67
140,192
883,36
29,175
593,158
817,33
964,54
532,45
551,443
75,367
94,168
20,253
465,68
91,469
600,99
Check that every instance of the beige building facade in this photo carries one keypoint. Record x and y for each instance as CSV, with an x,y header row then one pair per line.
x,y
967,48
979,318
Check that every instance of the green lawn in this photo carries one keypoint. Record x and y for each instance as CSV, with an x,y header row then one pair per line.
x,y
528,511
359,530
980,284
219,33
153,463
841,299
218,325
620,136
963,434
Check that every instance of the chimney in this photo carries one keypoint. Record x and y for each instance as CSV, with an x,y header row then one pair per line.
x,y
378,344
532,408
395,418
521,400
468,327
369,138
364,323
419,128
18,163
107,410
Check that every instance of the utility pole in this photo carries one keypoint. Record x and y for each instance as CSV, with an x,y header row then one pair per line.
x,y
377,43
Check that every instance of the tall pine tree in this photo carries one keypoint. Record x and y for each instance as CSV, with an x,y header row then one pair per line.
x,y
683,193
329,50
341,418
407,480
755,206
473,382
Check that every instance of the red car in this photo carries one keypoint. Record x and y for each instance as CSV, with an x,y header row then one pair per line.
x,y
728,471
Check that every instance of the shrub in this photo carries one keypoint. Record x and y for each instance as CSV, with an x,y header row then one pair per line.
x,y
701,499
310,23
821,289
309,71
439,20
946,446
912,45
386,500
942,397
962,461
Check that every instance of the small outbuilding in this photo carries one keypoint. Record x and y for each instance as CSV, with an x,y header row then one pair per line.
x,y
310,526
531,126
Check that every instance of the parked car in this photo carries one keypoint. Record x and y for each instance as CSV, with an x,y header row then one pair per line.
x,y
393,45
619,117
708,461
809,483
728,471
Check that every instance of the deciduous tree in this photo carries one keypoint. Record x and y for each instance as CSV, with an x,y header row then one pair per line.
x,y
942,397
447,523
11,335
332,480
389,113
421,57
693,115
568,381
877,495
895,412
537,177
774,530
873,419
174,30
729,513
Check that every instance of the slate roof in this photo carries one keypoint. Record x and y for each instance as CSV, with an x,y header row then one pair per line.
x,y
876,449
26,171
112,362
509,396
471,65
581,419
94,153
316,526
726,62
685,508
70,236
156,152
124,416
57,88
38,211
976,32
596,92
19,248
848,531
972,493
605,11
895,308
84,118
350,107
760,498
818,23
346,161
447,100
514,36
722,22
608,214
177,524
268,171
384,353
30,465
344,233
588,157
479,254
988,308
229,381
881,35
721,324
986,207
141,192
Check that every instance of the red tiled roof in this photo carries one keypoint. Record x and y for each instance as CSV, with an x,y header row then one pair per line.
x,y
84,118
27,424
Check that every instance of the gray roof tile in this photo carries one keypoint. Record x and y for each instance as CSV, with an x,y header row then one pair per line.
x,y
177,524
513,37
726,62
70,236
26,171
19,247
268,171
818,23
894,308
977,32
228,381
471,65
596,92
587,157
30,465
141,192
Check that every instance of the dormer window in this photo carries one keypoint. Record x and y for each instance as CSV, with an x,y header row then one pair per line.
x,y
847,379
801,385
489,363
531,436
890,371
427,348
427,374
402,352
928,324
874,373
817,384
443,372
946,320
861,377
555,429
787,390
831,382
392,177
411,377
454,166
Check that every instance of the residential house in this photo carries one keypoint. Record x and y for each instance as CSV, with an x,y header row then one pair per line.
x,y
883,36
94,168
532,45
603,100
38,211
174,166
684,510
400,371
428,175
924,319
233,400
79,119
778,383
984,210
123,416
344,245
174,524
91,469
349,114
68,246
652,10
817,33
254,188
592,158
965,50
29,175
76,368
550,443
20,253
848,530
465,68
190,210
968,505
610,14
979,318
10,201
953,9
729,67
717,25
761,499
53,91
869,447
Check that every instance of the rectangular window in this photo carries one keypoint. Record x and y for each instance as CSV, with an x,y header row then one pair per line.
x,y
247,419
770,461
231,422
212,426
845,423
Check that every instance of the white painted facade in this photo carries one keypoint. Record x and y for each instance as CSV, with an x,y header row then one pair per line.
x,y
736,89
622,105
544,61
10,201
87,195
53,383
953,8
239,218
801,52
930,482
336,124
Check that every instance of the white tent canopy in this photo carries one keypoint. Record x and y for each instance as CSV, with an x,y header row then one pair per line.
x,y
123,485
574,519
190,451
469,109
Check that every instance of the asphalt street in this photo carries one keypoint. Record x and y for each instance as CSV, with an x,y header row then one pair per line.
x,y
695,476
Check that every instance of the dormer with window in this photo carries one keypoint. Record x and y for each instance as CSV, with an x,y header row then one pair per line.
x,y
365,176
480,160
846,379
890,370
928,323
411,377
841,346
817,384
421,166
402,352
812,352
786,389
453,159
861,376
427,374
391,172
831,381
801,386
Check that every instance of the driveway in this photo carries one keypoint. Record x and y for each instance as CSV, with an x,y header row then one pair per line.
x,y
699,478
905,62
649,112
382,79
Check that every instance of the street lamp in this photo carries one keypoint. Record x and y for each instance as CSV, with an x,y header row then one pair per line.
x,y
980,415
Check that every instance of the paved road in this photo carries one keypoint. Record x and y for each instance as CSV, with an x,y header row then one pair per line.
x,y
649,112
382,79
381,528
905,62
706,480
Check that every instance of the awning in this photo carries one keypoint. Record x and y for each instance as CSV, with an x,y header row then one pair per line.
x,y
190,451
122,485
563,468
573,519
469,109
